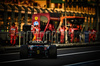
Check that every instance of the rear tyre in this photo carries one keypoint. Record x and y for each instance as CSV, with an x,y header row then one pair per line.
x,y
52,52
24,51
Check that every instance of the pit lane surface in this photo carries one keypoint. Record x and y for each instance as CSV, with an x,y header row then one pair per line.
x,y
75,56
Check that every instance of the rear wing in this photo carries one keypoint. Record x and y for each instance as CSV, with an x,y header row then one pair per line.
x,y
39,43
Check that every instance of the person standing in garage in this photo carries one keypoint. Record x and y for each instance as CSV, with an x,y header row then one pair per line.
x,y
71,33
62,30
13,34
93,34
35,30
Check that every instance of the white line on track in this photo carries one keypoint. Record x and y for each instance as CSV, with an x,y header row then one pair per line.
x,y
17,60
80,63
77,53
57,56
10,53
67,48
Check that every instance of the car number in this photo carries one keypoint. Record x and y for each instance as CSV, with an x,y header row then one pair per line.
x,y
38,51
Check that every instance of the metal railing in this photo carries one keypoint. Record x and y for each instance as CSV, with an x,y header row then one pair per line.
x,y
53,37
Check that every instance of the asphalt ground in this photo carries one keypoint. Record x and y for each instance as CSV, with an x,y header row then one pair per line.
x,y
74,56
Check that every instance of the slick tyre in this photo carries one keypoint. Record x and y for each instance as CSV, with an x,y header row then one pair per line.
x,y
52,52
24,51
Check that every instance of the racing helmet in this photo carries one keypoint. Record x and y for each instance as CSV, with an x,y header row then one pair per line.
x,y
36,23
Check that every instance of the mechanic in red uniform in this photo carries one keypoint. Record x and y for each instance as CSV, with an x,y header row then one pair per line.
x,y
62,29
93,34
13,34
35,30
51,27
71,33
89,30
